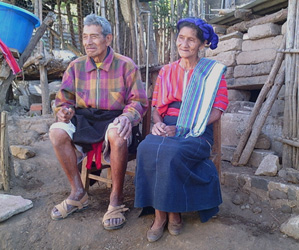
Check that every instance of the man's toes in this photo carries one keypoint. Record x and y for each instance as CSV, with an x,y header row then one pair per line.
x,y
113,222
55,211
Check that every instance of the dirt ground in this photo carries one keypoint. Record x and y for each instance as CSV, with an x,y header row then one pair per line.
x,y
46,185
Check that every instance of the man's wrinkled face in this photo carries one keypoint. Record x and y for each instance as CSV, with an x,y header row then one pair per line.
x,y
95,43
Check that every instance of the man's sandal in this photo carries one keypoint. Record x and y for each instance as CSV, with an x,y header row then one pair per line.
x,y
115,213
76,206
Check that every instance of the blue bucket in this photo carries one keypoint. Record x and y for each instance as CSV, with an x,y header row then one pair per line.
x,y
16,26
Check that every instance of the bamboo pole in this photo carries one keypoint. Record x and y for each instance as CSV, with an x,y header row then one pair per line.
x,y
288,155
293,142
259,102
5,168
296,89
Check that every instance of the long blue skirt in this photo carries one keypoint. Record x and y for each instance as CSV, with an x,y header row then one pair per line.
x,y
175,174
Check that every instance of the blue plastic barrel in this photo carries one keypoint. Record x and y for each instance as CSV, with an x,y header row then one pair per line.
x,y
16,26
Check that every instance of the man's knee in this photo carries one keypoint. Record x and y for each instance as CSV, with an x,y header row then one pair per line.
x,y
58,136
114,138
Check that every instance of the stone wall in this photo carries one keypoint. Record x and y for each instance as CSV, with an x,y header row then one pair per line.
x,y
249,58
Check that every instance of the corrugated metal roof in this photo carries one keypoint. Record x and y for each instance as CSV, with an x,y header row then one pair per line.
x,y
258,7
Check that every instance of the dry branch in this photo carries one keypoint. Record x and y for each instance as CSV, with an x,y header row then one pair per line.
x,y
260,121
288,141
259,102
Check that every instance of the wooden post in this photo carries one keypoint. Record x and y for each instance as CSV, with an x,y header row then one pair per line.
x,y
290,127
43,70
4,152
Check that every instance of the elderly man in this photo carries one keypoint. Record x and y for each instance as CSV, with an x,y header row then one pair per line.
x,y
100,99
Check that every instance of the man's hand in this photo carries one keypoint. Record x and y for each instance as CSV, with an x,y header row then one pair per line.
x,y
125,128
65,114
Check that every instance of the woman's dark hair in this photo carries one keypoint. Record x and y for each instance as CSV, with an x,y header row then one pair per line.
x,y
199,33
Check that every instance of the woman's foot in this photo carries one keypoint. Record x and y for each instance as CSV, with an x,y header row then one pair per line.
x,y
157,228
175,223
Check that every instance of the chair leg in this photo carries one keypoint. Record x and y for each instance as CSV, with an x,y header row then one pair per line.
x,y
84,175
109,177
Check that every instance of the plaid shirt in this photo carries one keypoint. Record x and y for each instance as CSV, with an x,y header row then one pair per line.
x,y
115,85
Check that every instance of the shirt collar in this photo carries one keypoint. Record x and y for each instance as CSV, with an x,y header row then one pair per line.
x,y
90,64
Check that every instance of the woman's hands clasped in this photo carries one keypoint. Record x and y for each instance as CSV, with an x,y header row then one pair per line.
x,y
162,129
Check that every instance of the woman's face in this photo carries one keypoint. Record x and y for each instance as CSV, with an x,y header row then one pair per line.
x,y
187,43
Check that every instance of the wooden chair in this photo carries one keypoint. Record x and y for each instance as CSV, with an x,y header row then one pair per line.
x,y
86,174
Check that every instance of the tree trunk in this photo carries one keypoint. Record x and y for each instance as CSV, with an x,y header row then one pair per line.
x,y
60,24
116,37
103,10
80,24
172,37
142,31
153,53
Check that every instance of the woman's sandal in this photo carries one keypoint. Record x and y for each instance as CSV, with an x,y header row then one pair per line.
x,y
153,235
115,213
76,206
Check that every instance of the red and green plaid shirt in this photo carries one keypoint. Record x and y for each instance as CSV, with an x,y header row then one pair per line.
x,y
115,85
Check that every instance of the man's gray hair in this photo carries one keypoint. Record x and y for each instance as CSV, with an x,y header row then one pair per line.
x,y
93,19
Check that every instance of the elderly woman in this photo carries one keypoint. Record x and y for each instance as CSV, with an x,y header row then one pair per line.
x,y
174,173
